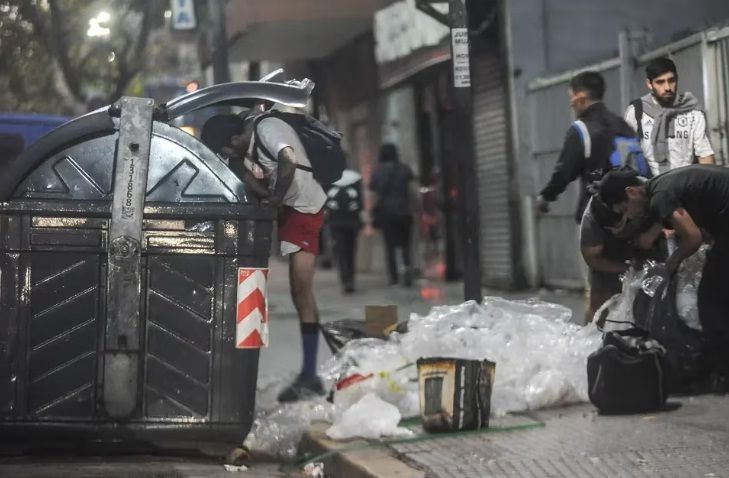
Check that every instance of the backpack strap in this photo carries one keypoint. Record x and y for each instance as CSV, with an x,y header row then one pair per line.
x,y
581,128
638,111
258,144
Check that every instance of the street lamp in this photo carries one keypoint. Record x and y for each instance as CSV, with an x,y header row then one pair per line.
x,y
99,25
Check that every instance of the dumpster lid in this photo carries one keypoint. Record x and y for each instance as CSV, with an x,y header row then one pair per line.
x,y
242,93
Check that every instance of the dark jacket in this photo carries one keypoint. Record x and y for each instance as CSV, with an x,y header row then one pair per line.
x,y
603,126
391,181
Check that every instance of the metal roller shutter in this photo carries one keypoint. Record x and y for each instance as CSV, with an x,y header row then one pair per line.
x,y
491,150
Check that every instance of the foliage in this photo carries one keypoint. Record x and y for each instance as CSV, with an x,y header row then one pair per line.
x,y
50,64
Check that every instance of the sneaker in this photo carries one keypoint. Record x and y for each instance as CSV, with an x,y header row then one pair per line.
x,y
303,388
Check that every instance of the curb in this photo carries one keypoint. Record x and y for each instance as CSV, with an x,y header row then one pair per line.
x,y
379,462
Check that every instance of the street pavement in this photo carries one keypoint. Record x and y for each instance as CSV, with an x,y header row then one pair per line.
x,y
129,467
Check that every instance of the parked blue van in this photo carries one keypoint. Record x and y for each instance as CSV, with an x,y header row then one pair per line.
x,y
29,126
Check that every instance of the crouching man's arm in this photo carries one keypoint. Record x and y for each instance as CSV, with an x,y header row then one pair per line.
x,y
689,239
594,258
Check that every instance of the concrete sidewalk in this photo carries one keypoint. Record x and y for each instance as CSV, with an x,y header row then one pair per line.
x,y
691,440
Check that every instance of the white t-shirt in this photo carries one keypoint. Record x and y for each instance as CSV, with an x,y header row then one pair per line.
x,y
305,194
689,141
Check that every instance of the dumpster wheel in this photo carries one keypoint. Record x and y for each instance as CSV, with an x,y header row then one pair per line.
x,y
238,456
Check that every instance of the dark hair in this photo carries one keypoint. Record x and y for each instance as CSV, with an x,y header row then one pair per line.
x,y
388,153
658,67
591,82
613,184
218,130
604,216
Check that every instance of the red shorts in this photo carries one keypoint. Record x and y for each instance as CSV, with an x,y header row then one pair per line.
x,y
300,228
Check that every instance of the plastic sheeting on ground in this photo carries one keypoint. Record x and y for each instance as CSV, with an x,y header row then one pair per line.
x,y
620,307
540,362
540,356
370,417
277,428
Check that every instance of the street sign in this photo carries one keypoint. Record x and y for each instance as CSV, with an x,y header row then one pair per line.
x,y
461,66
183,15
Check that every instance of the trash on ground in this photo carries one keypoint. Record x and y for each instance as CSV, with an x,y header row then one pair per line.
x,y
620,307
277,428
540,361
540,355
455,394
339,332
235,468
370,417
313,470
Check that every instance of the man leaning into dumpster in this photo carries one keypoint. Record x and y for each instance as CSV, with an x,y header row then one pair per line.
x,y
691,200
300,199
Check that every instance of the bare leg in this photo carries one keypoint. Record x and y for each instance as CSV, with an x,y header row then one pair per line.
x,y
302,266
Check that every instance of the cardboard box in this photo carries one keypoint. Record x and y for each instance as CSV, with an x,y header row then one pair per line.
x,y
378,318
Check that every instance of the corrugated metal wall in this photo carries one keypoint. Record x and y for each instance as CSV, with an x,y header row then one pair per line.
x,y
491,150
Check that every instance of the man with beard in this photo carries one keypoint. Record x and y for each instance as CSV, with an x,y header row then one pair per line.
x,y
671,126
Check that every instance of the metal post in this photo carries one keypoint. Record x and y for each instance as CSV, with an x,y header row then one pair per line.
x,y
463,118
221,69
626,68
123,290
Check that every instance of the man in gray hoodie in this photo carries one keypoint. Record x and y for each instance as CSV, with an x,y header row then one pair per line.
x,y
671,126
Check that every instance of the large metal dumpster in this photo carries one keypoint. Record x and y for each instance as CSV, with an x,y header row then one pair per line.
x,y
121,242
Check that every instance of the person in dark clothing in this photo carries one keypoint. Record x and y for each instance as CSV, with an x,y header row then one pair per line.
x,y
692,200
344,205
586,91
393,209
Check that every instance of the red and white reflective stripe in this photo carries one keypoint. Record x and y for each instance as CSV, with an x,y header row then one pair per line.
x,y
251,329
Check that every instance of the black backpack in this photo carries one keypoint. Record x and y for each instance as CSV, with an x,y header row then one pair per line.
x,y
322,145
626,153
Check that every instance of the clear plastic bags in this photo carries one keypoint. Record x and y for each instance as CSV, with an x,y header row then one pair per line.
x,y
540,356
370,417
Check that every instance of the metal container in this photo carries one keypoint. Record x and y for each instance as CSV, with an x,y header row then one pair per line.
x,y
122,240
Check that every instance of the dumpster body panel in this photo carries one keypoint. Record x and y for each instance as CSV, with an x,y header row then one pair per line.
x,y
170,374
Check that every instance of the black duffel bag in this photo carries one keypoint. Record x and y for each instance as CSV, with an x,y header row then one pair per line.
x,y
627,374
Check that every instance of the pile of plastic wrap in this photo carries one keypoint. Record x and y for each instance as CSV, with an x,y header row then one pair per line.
x,y
540,356
620,307
540,362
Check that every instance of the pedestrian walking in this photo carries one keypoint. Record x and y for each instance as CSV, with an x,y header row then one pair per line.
x,y
586,154
691,200
300,198
393,211
671,126
344,209
586,160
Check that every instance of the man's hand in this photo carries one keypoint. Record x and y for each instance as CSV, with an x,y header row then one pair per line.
x,y
542,205
271,202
